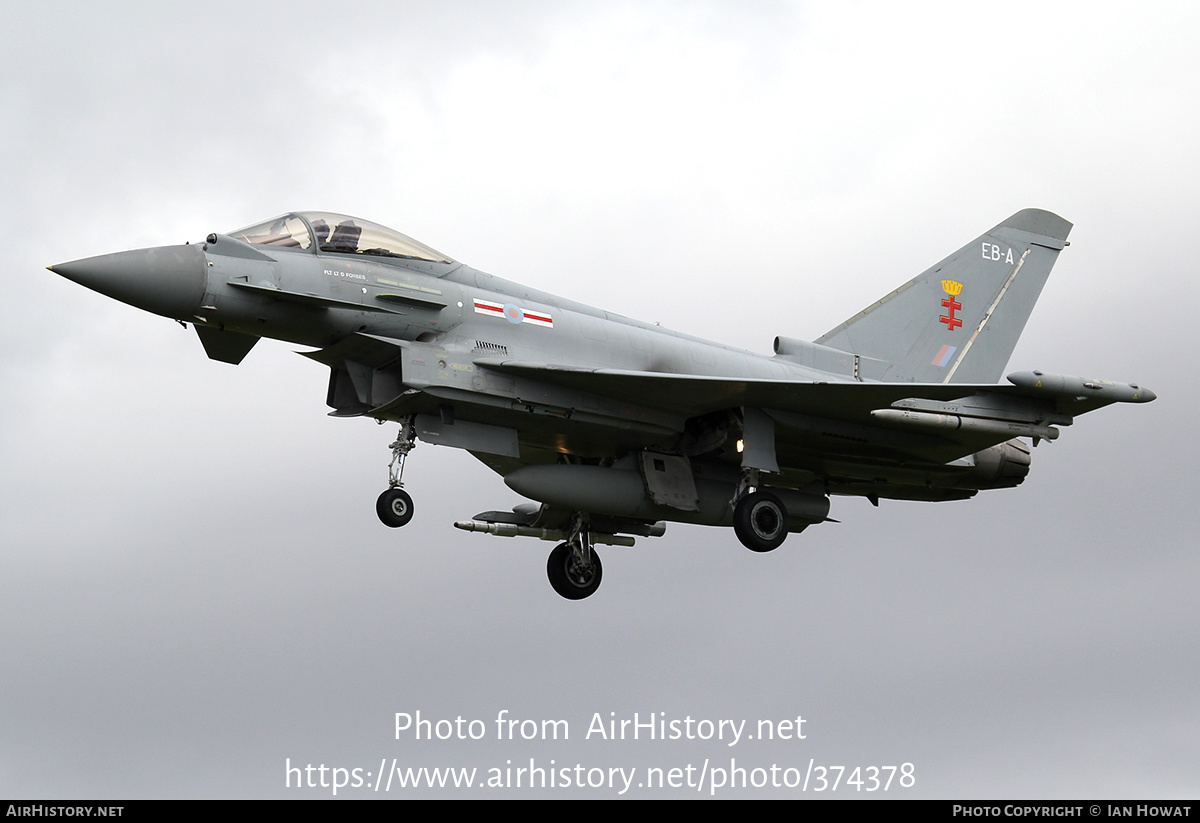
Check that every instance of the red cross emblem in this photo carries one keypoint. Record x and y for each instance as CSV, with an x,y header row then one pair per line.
x,y
951,305
949,319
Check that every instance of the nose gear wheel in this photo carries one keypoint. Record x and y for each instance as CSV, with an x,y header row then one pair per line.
x,y
395,505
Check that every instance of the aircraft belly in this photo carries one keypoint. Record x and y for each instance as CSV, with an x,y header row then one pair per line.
x,y
623,493
557,429
465,434
565,419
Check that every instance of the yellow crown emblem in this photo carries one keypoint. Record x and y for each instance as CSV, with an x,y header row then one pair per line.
x,y
951,287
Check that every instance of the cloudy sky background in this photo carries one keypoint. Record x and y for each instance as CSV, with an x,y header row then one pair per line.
x,y
193,583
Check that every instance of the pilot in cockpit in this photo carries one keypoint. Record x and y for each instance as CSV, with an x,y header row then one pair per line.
x,y
321,230
345,237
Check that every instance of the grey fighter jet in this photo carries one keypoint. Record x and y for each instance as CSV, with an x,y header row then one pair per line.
x,y
615,426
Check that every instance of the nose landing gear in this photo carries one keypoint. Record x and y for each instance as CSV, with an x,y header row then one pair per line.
x,y
395,506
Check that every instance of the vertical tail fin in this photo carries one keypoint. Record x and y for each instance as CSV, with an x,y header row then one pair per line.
x,y
959,321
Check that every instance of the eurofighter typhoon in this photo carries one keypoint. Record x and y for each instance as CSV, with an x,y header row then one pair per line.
x,y
616,427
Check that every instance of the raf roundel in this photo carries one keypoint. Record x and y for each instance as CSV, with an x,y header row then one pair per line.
x,y
513,313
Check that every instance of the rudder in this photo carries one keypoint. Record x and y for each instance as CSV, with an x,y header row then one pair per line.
x,y
959,321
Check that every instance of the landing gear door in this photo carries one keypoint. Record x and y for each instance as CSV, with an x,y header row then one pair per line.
x,y
669,481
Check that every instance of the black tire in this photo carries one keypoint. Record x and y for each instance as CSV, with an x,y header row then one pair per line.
x,y
760,521
567,578
394,507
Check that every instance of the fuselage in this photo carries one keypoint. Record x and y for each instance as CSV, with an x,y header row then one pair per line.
x,y
461,309
407,331
614,425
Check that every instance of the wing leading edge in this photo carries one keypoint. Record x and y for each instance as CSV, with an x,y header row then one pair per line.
x,y
954,419
692,395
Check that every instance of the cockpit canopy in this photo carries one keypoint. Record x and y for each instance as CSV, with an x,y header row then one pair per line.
x,y
329,232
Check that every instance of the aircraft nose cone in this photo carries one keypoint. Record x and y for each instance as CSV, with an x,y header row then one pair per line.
x,y
168,280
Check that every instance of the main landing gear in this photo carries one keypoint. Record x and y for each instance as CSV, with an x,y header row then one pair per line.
x,y
760,521
574,567
759,517
395,506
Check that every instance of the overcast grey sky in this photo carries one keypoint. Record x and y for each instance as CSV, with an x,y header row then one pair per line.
x,y
193,584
